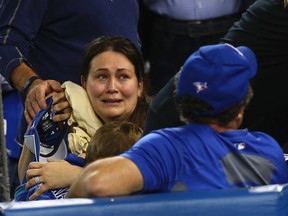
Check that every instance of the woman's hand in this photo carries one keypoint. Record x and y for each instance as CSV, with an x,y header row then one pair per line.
x,y
61,106
52,175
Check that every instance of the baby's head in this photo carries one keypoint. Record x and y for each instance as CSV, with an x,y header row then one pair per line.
x,y
112,139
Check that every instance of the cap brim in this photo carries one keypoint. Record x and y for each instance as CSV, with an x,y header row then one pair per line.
x,y
60,154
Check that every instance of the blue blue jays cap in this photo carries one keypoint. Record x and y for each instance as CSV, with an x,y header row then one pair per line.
x,y
46,138
218,75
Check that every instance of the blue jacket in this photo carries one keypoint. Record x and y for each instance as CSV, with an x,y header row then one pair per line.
x,y
51,34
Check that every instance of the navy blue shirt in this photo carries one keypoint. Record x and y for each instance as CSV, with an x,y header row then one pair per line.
x,y
51,34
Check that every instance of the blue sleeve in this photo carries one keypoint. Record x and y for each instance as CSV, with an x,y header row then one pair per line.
x,y
75,160
19,23
158,160
12,110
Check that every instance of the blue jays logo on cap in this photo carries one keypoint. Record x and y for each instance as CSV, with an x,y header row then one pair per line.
x,y
200,86
218,75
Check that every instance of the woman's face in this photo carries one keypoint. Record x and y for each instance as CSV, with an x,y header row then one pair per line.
x,y
112,86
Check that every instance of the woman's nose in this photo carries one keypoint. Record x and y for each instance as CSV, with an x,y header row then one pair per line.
x,y
112,86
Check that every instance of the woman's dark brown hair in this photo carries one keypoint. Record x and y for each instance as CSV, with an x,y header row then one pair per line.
x,y
127,48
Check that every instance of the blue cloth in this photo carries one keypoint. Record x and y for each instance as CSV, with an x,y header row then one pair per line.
x,y
194,9
21,194
12,109
51,34
195,156
46,138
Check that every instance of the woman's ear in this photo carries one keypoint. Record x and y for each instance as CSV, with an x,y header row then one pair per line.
x,y
140,89
83,82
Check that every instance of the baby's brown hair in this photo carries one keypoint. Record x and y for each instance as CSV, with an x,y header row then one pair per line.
x,y
112,139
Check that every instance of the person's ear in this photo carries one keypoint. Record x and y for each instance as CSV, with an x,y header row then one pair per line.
x,y
83,82
140,89
239,117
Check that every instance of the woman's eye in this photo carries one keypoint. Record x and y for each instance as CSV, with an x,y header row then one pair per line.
x,y
124,76
101,77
